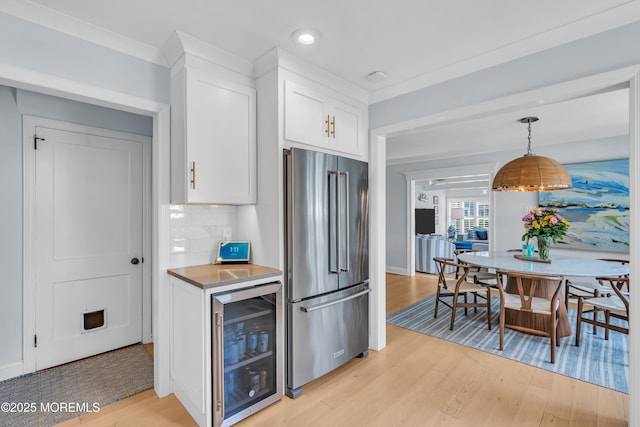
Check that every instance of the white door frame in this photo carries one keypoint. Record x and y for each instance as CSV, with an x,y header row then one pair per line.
x,y
425,175
563,91
28,217
160,195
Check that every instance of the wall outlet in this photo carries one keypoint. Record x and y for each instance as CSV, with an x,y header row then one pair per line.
x,y
226,233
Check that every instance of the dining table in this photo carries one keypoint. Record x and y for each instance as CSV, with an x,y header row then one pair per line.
x,y
557,265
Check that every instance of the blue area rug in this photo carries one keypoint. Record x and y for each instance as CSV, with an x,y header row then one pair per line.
x,y
597,361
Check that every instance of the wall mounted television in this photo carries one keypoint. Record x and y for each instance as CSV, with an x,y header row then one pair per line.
x,y
425,221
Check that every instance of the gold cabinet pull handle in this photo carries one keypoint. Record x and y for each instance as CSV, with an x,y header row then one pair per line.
x,y
327,131
333,127
193,175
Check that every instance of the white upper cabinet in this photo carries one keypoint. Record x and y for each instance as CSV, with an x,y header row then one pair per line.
x,y
316,119
213,139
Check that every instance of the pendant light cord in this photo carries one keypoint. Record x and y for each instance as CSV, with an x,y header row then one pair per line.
x,y
529,153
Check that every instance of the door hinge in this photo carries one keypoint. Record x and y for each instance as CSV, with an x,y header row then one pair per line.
x,y
36,138
35,341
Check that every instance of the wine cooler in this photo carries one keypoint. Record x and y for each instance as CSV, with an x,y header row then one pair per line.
x,y
248,352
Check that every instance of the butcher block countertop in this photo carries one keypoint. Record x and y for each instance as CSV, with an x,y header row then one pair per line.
x,y
212,275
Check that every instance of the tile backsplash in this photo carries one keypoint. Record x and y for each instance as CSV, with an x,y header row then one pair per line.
x,y
196,231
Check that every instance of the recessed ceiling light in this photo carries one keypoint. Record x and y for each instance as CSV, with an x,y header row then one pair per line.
x,y
306,36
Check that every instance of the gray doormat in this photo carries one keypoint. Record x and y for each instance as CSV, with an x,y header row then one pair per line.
x,y
53,395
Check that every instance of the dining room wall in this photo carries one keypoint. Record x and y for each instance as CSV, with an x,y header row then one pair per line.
x,y
508,209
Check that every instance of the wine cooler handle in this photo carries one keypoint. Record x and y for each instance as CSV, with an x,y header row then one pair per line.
x,y
219,365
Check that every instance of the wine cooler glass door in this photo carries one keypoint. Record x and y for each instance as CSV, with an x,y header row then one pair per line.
x,y
247,353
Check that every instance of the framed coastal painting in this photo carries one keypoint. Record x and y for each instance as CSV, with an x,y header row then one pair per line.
x,y
597,206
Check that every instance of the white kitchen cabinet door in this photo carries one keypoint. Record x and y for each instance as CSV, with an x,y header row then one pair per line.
x,y
305,119
345,123
316,119
213,140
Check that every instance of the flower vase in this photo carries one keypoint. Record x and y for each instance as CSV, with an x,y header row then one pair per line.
x,y
544,242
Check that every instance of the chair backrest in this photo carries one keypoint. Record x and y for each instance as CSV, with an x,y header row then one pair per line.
x,y
462,251
526,294
615,282
443,263
618,284
619,261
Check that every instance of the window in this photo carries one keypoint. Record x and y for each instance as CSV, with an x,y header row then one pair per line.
x,y
475,211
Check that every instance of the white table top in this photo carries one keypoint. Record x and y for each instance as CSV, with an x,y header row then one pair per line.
x,y
560,265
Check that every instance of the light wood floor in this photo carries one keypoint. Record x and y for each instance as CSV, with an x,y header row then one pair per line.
x,y
417,380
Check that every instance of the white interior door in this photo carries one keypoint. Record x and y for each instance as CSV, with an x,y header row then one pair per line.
x,y
88,236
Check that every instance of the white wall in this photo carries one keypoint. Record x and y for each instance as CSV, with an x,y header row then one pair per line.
x,y
441,206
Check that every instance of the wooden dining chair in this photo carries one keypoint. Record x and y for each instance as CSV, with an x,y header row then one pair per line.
x,y
591,289
478,275
452,287
524,308
613,305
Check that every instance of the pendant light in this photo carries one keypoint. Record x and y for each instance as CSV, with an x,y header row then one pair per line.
x,y
531,172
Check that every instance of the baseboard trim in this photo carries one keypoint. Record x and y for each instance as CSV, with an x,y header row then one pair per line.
x,y
397,270
11,370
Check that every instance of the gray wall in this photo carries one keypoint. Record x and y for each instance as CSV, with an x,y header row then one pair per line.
x,y
609,50
13,104
10,228
40,49
52,107
508,207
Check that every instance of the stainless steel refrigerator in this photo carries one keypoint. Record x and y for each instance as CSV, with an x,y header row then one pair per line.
x,y
327,263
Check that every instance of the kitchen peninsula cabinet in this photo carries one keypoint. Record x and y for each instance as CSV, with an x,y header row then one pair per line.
x,y
213,139
314,118
226,340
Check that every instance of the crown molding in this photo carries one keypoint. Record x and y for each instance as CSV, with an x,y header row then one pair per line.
x,y
280,58
74,27
180,44
607,20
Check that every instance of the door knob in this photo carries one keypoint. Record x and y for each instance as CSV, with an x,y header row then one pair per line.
x,y
135,261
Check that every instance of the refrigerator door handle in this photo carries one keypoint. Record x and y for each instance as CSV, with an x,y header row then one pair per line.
x,y
335,256
329,304
346,212
218,366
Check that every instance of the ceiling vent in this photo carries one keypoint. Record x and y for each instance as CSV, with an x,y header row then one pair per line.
x,y
377,76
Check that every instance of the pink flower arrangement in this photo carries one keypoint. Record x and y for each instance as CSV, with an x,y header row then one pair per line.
x,y
545,222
